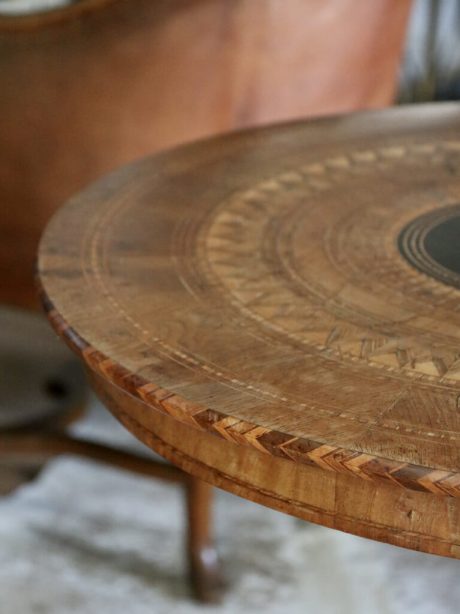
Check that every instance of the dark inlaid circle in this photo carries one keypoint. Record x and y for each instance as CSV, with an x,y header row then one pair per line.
x,y
431,243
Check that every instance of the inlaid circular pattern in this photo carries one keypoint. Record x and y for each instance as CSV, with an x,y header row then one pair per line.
x,y
431,243
270,277
265,287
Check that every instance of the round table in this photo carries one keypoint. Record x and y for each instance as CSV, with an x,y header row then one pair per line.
x,y
278,313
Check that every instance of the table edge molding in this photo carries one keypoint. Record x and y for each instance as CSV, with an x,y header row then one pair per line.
x,y
276,443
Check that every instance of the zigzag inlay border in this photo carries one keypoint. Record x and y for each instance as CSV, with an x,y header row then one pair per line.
x,y
299,450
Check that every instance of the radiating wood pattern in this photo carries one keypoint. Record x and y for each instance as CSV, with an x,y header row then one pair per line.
x,y
250,307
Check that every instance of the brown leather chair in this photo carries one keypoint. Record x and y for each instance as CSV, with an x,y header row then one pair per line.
x,y
94,85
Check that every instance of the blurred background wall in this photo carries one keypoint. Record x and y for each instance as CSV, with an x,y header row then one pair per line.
x,y
431,66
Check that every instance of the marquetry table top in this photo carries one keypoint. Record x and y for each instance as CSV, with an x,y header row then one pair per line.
x,y
291,292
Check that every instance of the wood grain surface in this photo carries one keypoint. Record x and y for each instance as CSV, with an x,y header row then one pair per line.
x,y
245,307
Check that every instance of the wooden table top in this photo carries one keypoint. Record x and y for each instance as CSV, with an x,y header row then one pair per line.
x,y
293,290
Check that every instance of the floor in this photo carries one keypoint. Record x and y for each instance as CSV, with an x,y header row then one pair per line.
x,y
85,539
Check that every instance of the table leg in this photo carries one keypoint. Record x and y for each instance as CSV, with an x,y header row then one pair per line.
x,y
202,558
204,566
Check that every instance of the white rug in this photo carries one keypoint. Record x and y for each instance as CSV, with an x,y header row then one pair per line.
x,y
87,539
